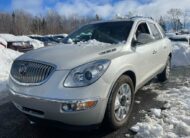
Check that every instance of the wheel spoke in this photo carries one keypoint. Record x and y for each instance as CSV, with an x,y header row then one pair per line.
x,y
122,89
127,109
120,113
117,102
122,102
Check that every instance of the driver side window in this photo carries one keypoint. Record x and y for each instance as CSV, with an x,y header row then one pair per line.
x,y
142,28
142,35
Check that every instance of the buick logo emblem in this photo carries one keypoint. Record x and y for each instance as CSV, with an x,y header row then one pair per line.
x,y
22,69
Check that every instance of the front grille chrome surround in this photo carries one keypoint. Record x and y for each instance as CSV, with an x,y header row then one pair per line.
x,y
31,72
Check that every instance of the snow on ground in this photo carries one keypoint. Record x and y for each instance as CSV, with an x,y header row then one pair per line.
x,y
6,58
181,54
172,121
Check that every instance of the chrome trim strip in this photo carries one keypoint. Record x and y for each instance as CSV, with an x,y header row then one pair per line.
x,y
50,99
35,84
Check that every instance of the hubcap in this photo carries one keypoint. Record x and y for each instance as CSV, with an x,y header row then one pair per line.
x,y
122,102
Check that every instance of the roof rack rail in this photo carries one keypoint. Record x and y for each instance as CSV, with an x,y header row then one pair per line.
x,y
136,17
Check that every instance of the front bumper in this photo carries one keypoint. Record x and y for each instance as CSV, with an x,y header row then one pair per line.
x,y
50,109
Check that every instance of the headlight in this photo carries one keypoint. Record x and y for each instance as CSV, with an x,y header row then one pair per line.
x,y
86,74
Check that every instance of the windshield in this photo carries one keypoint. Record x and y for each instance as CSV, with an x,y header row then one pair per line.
x,y
107,32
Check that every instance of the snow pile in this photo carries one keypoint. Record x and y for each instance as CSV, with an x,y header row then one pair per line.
x,y
180,54
172,121
148,129
6,58
8,37
93,43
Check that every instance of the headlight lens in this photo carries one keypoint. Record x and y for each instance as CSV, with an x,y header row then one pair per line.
x,y
86,74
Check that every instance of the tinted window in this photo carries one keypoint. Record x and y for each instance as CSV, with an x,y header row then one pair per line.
x,y
162,30
155,31
142,28
108,32
142,35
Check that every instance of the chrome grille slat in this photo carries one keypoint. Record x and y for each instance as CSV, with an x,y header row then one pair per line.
x,y
31,72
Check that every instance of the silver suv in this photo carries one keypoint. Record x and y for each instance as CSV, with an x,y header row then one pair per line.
x,y
95,76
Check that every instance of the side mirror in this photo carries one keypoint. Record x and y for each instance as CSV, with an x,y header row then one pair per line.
x,y
134,43
144,38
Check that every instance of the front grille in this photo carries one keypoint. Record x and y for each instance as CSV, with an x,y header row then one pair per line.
x,y
31,72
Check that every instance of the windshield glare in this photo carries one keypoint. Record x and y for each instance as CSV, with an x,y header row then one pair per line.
x,y
107,32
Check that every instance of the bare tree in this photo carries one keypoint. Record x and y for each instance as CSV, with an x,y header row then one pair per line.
x,y
5,23
162,23
175,15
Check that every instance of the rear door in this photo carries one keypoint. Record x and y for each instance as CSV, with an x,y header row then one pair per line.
x,y
160,47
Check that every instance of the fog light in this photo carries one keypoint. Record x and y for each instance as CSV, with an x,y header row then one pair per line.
x,y
78,105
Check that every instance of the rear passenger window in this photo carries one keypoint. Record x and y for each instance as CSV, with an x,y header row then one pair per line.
x,y
162,31
155,32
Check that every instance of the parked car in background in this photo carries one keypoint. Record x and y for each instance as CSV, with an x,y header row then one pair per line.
x,y
183,32
17,43
180,38
35,43
95,77
59,37
49,40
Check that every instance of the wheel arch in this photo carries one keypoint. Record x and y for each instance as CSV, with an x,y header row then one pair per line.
x,y
132,75
129,73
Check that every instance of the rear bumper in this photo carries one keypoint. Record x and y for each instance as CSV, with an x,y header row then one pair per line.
x,y
50,109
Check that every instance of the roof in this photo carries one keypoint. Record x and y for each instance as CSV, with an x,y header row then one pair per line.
x,y
135,18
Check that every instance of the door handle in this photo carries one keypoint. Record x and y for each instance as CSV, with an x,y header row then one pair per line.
x,y
154,52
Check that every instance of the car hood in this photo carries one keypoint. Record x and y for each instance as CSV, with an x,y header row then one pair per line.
x,y
69,56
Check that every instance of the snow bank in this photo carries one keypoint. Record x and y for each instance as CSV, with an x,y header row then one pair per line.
x,y
181,54
172,121
6,58
8,37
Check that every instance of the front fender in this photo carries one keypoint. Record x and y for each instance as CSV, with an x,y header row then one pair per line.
x,y
116,69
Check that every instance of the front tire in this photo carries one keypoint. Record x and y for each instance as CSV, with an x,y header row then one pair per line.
x,y
120,102
166,72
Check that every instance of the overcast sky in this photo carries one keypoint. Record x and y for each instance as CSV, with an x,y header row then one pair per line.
x,y
104,8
